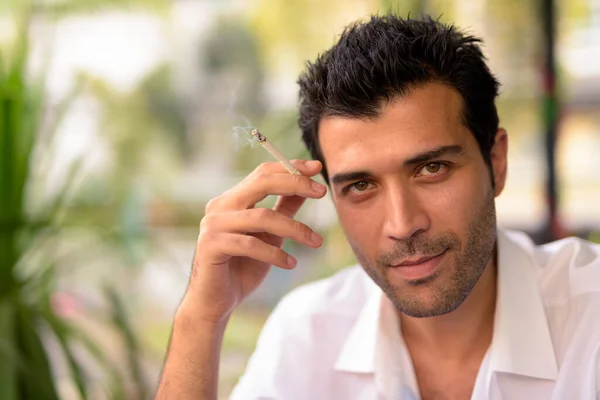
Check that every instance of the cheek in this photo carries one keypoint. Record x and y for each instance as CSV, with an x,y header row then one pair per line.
x,y
452,206
362,228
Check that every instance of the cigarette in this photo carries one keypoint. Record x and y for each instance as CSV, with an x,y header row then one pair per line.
x,y
274,151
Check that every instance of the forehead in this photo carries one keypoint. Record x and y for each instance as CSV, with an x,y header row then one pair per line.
x,y
428,117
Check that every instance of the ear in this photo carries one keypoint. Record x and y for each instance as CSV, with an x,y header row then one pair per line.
x,y
499,156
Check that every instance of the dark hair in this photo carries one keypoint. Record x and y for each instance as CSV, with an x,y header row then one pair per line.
x,y
386,57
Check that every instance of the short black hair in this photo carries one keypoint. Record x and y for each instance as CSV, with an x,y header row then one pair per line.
x,y
376,61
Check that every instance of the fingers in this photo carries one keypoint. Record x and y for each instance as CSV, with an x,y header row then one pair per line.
x,y
305,167
289,205
262,220
225,245
270,179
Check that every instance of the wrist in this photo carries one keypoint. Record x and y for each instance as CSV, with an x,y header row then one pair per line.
x,y
192,320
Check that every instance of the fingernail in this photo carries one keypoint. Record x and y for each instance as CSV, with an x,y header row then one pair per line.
x,y
291,261
316,238
317,186
312,163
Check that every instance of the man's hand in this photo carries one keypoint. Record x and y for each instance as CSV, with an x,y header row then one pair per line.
x,y
237,245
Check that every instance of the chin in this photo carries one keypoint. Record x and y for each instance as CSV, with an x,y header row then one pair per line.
x,y
426,299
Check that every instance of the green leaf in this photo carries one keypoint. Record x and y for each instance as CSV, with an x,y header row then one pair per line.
x,y
36,380
17,133
115,377
72,334
8,366
64,334
57,205
121,322
39,285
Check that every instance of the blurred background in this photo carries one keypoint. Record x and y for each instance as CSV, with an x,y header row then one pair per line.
x,y
120,119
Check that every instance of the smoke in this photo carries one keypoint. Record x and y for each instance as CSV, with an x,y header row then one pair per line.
x,y
241,136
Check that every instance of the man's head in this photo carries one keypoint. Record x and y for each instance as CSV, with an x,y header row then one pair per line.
x,y
402,115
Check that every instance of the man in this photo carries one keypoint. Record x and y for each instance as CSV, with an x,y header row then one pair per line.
x,y
400,118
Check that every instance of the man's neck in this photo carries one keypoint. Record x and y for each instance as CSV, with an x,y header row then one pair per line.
x,y
461,334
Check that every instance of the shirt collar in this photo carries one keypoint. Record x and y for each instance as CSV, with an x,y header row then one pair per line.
x,y
358,352
521,341
375,346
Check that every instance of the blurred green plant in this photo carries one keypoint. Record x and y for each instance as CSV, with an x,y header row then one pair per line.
x,y
120,320
62,8
25,298
30,226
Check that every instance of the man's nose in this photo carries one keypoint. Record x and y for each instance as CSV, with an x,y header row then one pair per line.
x,y
405,214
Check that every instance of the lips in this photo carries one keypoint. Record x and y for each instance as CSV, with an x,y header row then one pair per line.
x,y
417,268
416,261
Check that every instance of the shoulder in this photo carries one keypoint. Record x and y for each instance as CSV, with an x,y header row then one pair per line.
x,y
566,269
318,311
567,272
302,337
341,295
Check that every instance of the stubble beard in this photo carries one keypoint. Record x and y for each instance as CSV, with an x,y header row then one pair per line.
x,y
467,265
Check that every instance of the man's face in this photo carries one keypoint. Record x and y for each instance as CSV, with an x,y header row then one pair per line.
x,y
415,198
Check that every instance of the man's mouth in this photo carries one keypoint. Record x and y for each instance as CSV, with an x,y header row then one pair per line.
x,y
416,260
420,267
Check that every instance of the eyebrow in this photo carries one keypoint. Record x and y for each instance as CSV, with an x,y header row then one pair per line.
x,y
453,150
417,159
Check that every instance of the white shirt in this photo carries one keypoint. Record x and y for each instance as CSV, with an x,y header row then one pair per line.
x,y
338,338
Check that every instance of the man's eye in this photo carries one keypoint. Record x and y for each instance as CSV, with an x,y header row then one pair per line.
x,y
360,186
432,168
357,187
